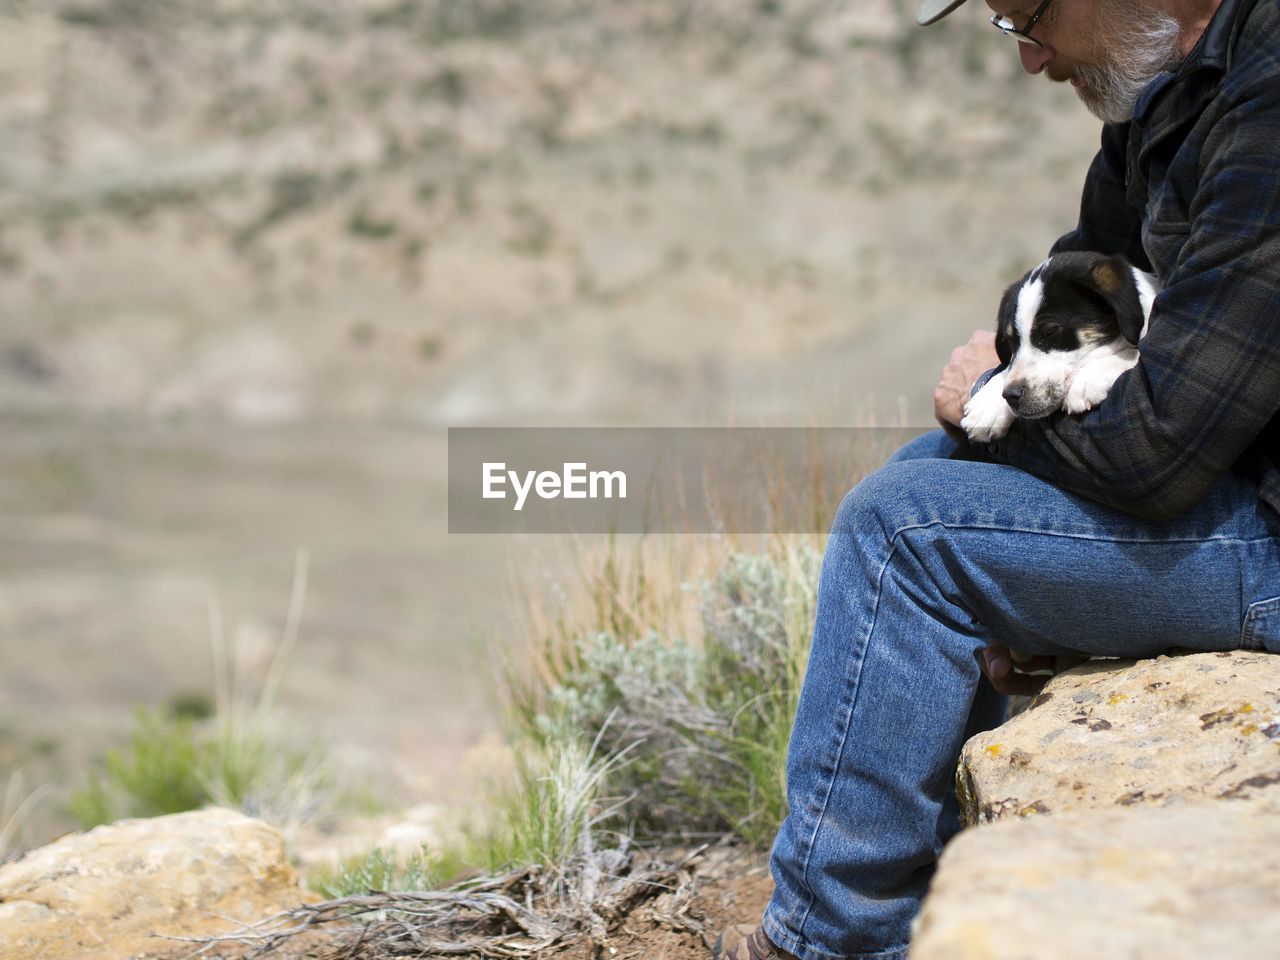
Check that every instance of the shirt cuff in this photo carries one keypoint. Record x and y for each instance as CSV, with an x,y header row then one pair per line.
x,y
982,380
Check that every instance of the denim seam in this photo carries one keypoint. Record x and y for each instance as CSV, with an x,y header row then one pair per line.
x,y
1254,616
1068,535
1248,629
854,684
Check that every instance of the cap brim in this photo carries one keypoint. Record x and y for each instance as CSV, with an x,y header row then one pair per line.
x,y
931,11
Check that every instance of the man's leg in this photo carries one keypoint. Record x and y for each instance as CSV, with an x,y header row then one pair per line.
x,y
928,561
990,707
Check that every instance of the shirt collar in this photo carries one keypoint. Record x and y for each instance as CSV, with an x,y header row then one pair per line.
x,y
1214,47
1212,52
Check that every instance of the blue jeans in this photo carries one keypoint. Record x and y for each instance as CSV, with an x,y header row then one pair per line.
x,y
930,558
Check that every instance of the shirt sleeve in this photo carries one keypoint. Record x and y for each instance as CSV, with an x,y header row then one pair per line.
x,y
1208,378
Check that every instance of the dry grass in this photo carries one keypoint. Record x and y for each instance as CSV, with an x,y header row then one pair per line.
x,y
16,806
237,759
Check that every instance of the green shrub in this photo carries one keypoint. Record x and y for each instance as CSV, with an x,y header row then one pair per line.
x,y
174,764
380,871
159,773
551,813
220,750
248,769
703,729
556,808
215,751
633,696
758,617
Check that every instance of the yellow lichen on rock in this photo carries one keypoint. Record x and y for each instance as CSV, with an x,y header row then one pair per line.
x,y
1125,733
1159,833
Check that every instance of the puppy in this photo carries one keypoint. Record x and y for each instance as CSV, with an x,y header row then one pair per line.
x,y
1065,332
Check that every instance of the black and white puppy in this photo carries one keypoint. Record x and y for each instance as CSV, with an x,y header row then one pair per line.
x,y
1065,332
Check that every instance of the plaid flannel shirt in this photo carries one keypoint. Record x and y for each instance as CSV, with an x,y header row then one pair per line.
x,y
1189,190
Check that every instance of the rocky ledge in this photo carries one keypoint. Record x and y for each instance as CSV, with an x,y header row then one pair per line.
x,y
1132,811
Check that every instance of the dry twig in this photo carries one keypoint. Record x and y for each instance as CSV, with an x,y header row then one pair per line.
x,y
511,917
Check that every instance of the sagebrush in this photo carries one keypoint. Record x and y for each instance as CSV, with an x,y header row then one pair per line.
x,y
703,721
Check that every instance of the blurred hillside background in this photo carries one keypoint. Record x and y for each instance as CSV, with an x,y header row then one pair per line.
x,y
256,256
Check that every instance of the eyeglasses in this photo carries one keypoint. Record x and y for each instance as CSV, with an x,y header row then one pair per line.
x,y
1005,25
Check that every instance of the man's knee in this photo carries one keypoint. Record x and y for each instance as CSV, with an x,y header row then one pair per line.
x,y
900,495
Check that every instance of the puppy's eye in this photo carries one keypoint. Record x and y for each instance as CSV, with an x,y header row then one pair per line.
x,y
1050,335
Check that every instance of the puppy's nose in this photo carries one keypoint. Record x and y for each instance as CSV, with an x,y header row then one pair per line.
x,y
1012,394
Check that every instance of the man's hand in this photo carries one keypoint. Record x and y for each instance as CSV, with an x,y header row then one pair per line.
x,y
967,364
999,666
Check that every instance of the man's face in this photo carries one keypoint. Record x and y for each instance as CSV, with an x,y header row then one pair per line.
x,y
1108,50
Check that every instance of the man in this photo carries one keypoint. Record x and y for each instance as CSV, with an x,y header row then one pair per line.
x,y
1148,523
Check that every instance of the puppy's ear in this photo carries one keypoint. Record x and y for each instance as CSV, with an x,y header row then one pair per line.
x,y
1006,330
1113,279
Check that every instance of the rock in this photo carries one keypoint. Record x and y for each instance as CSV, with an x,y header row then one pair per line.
x,y
1153,774
102,894
1141,883
1118,733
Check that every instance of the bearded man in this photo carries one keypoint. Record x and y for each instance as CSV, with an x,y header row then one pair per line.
x,y
1150,522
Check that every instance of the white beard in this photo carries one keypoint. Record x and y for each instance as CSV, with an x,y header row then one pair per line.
x,y
1139,45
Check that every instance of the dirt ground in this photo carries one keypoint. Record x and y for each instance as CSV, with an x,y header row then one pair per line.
x,y
738,894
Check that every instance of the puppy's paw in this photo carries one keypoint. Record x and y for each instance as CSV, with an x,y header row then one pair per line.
x,y
1091,384
987,416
